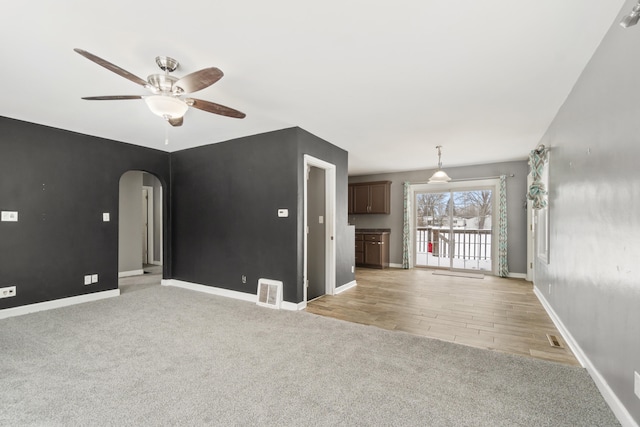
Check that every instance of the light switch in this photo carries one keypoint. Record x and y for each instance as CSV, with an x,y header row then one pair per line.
x,y
87,279
10,216
106,217
94,278
320,219
283,213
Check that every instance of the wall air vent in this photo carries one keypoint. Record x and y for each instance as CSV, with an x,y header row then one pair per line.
x,y
269,293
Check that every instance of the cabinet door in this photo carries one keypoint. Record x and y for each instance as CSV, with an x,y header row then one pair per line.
x,y
379,198
360,199
372,253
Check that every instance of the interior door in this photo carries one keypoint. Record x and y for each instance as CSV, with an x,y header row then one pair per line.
x,y
316,244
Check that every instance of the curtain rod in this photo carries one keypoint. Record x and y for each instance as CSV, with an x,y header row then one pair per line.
x,y
470,179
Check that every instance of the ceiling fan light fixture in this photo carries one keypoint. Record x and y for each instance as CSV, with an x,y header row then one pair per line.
x,y
440,176
167,107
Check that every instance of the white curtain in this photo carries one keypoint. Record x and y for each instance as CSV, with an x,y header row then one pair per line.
x,y
503,267
406,228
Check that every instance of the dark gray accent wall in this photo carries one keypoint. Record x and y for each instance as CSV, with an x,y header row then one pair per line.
x,y
516,203
225,204
594,199
61,183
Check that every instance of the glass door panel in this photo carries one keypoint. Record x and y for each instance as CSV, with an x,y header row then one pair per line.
x,y
471,229
454,229
433,212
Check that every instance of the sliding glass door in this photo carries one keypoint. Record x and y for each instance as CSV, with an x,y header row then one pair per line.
x,y
454,228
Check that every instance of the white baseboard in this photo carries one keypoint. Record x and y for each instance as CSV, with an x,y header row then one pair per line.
x,y
58,303
609,396
130,273
157,262
227,293
395,265
292,306
345,287
517,275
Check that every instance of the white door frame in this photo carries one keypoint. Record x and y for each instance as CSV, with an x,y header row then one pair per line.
x,y
330,223
150,229
530,276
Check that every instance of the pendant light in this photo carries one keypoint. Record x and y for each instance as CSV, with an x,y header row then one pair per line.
x,y
440,176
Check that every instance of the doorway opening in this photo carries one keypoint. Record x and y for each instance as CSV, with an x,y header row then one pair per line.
x,y
140,239
319,263
453,225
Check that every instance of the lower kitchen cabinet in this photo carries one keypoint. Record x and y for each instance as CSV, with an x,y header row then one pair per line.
x,y
372,249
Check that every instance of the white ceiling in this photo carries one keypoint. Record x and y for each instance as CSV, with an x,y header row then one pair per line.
x,y
386,81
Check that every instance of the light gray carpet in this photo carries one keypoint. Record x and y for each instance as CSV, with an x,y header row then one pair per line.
x,y
169,356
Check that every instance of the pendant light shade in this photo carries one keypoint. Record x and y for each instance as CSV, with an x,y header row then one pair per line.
x,y
440,176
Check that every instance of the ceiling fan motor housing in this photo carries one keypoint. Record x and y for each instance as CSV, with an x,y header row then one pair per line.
x,y
166,63
162,82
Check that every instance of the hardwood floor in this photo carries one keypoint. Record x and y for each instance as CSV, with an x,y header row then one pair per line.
x,y
491,313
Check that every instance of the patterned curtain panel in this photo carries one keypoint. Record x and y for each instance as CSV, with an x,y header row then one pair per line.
x,y
406,228
537,193
503,267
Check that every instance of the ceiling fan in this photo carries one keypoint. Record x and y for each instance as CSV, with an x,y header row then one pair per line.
x,y
167,99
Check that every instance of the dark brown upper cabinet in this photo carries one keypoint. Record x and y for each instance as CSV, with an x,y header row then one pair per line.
x,y
370,197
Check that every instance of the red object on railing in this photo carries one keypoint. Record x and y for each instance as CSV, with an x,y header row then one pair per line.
x,y
430,247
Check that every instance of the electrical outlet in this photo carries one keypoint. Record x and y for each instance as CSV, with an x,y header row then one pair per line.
x,y
636,384
8,292
87,279
244,279
353,269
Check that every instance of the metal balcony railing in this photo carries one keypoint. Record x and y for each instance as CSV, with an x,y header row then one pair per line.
x,y
465,244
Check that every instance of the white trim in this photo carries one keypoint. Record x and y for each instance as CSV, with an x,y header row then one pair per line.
x,y
609,396
57,303
391,265
161,225
227,293
130,273
157,263
330,222
292,306
531,247
517,275
345,287
573,345
150,226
